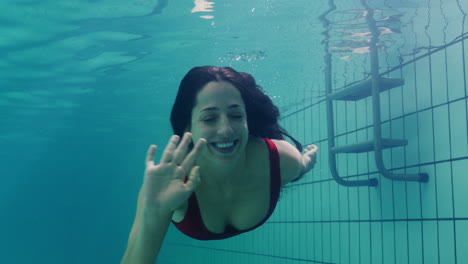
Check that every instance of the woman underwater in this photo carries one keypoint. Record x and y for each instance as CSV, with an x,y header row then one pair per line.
x,y
228,182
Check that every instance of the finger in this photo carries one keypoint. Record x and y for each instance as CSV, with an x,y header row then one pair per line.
x,y
181,151
193,179
171,146
189,161
306,149
150,155
312,148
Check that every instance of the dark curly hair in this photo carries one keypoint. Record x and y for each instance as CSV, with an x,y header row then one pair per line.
x,y
262,114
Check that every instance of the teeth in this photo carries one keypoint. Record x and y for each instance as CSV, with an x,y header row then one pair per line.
x,y
225,145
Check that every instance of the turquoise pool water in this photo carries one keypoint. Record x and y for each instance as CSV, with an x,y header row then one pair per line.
x,y
86,86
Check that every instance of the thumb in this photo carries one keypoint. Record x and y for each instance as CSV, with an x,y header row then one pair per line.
x,y
193,179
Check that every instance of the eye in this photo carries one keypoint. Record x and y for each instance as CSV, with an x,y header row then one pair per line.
x,y
209,119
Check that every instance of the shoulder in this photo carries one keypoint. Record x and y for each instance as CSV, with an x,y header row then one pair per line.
x,y
290,160
290,157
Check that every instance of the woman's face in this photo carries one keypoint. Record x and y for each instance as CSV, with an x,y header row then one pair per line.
x,y
219,117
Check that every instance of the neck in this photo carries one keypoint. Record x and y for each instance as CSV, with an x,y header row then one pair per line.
x,y
222,175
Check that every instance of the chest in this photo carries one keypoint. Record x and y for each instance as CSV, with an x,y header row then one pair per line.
x,y
244,207
245,210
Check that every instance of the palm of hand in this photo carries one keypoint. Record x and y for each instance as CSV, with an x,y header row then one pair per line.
x,y
169,184
165,185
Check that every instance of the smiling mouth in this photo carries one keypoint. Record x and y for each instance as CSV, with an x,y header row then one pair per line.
x,y
226,147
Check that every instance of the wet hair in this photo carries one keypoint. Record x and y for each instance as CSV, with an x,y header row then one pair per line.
x,y
262,114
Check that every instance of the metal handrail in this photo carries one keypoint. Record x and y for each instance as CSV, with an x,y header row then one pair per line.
x,y
421,177
378,142
329,105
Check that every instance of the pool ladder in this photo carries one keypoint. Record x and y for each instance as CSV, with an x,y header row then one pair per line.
x,y
371,86
357,91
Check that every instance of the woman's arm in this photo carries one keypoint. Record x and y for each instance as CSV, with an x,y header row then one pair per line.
x,y
165,188
147,235
294,164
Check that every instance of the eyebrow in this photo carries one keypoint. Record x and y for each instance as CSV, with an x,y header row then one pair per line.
x,y
213,108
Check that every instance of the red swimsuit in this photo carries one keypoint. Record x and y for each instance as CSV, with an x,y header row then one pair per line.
x,y
192,224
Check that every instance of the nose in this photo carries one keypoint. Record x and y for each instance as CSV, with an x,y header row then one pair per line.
x,y
225,129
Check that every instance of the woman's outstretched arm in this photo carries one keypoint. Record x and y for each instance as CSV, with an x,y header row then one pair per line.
x,y
293,163
164,190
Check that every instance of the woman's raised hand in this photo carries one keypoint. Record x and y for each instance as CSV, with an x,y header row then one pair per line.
x,y
170,183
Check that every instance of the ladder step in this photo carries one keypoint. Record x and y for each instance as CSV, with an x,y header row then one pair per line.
x,y
367,146
362,89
